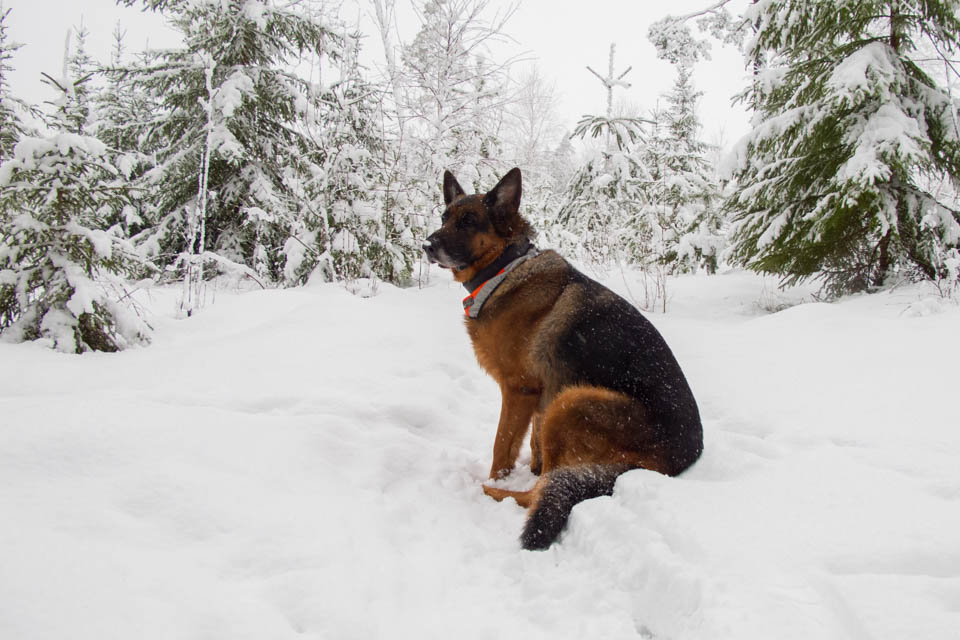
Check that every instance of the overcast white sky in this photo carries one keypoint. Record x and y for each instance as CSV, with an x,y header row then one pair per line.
x,y
563,36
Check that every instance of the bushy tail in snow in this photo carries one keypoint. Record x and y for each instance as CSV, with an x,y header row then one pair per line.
x,y
562,489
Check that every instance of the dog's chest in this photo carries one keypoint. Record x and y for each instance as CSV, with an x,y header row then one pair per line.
x,y
501,345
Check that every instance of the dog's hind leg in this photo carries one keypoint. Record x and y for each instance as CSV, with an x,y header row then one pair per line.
x,y
523,498
536,454
588,437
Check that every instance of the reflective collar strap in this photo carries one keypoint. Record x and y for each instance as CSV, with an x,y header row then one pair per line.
x,y
474,302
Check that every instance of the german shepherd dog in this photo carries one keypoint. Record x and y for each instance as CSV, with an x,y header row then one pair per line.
x,y
596,380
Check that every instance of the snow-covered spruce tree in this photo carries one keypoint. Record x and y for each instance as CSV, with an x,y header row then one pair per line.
x,y
544,215
230,140
654,250
60,264
603,215
75,110
346,232
122,124
115,100
684,190
11,108
849,131
562,161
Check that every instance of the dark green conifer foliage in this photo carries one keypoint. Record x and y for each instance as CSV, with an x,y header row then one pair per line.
x,y
231,137
59,258
852,131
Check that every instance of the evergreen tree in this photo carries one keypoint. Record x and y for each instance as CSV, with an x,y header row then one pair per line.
x,y
232,145
603,215
114,100
684,192
120,106
347,231
550,194
605,211
11,108
850,131
59,260
74,113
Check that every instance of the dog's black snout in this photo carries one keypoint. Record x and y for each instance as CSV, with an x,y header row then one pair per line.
x,y
430,248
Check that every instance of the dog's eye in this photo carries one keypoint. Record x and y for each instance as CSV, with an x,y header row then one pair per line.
x,y
467,219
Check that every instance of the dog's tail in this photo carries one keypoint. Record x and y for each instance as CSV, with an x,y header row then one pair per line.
x,y
562,489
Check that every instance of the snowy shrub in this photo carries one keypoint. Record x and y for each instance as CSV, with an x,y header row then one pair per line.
x,y
59,265
62,258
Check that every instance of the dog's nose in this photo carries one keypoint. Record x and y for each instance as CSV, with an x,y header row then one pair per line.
x,y
429,249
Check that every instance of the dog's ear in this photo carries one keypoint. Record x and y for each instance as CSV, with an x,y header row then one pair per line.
x,y
504,199
451,188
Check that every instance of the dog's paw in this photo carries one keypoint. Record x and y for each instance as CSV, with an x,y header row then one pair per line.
x,y
522,498
499,474
495,493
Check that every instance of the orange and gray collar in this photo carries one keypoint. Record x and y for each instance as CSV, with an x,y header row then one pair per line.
x,y
482,286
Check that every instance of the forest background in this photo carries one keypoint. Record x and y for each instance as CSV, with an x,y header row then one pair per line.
x,y
265,142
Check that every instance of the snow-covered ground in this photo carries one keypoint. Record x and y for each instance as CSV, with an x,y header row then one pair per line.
x,y
307,464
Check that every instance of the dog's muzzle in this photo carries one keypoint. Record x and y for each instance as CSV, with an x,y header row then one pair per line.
x,y
430,250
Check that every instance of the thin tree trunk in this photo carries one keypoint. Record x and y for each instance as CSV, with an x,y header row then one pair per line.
x,y
883,259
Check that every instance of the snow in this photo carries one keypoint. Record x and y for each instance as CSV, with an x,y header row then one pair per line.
x,y
860,72
230,94
307,463
888,132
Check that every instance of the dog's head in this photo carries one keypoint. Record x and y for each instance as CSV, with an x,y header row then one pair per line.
x,y
476,229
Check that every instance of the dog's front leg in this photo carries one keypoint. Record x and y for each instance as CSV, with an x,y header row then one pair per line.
x,y
518,406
